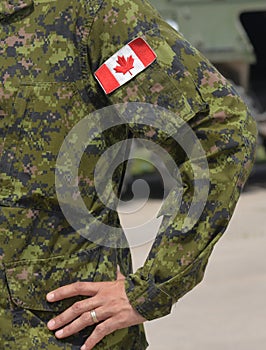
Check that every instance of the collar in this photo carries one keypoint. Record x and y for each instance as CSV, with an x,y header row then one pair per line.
x,y
9,7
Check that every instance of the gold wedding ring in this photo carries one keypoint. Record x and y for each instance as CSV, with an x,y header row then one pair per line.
x,y
93,316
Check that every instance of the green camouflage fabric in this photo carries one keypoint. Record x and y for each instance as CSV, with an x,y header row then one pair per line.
x,y
49,50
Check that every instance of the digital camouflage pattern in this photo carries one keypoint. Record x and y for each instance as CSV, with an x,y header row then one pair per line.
x,y
49,51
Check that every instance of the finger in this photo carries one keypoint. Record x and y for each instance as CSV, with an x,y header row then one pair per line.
x,y
103,329
74,289
80,323
119,275
73,312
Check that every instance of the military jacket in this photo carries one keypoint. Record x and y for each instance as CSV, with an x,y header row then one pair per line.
x,y
49,52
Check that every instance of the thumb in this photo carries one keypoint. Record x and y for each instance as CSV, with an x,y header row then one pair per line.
x,y
119,275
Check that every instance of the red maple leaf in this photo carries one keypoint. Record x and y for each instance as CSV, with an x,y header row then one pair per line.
x,y
125,65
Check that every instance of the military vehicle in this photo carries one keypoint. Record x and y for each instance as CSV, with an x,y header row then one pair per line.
x,y
231,33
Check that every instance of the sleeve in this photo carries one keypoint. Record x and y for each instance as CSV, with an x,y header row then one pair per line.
x,y
184,82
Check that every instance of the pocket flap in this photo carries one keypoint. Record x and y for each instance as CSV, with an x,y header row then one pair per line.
x,y
30,281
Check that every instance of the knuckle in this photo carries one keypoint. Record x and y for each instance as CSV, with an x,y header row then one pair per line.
x,y
120,322
77,307
100,329
59,319
117,310
86,318
78,286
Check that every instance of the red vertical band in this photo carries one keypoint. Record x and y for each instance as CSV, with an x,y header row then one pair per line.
x,y
106,79
143,51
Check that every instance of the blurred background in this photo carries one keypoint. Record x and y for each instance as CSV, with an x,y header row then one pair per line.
x,y
227,311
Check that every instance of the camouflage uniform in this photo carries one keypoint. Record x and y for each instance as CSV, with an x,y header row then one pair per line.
x,y
49,50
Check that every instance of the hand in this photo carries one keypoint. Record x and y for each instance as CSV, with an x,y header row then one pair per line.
x,y
108,299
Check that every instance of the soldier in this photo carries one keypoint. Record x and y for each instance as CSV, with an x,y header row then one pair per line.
x,y
60,61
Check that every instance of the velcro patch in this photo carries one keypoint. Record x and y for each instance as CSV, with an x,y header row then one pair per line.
x,y
125,64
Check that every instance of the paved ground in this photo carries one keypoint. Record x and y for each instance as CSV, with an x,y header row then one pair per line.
x,y
227,311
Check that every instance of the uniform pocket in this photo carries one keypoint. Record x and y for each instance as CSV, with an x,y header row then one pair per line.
x,y
30,281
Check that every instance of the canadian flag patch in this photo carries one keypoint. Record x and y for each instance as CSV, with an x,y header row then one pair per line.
x,y
125,64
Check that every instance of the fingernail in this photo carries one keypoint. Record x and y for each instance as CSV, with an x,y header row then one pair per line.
x,y
59,333
50,296
118,268
51,324
83,347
